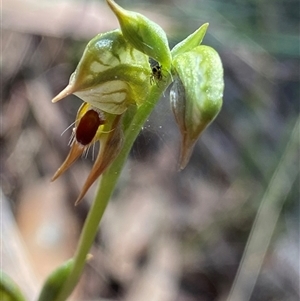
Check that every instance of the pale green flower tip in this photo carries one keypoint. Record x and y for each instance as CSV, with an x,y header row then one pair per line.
x,y
143,34
190,42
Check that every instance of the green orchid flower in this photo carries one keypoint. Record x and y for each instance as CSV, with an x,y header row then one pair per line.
x,y
121,68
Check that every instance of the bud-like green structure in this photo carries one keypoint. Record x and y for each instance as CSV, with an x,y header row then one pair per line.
x,y
196,95
111,74
143,34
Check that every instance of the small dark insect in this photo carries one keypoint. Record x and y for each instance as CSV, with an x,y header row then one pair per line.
x,y
156,69
156,73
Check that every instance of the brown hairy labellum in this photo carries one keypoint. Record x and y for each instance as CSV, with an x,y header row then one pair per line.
x,y
88,126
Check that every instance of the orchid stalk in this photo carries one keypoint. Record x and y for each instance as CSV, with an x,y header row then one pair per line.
x,y
119,89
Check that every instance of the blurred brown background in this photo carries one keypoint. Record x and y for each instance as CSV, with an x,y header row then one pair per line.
x,y
166,236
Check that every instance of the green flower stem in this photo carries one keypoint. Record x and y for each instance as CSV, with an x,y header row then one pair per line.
x,y
106,187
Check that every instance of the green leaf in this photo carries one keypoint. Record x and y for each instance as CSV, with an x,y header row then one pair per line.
x,y
9,291
55,282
